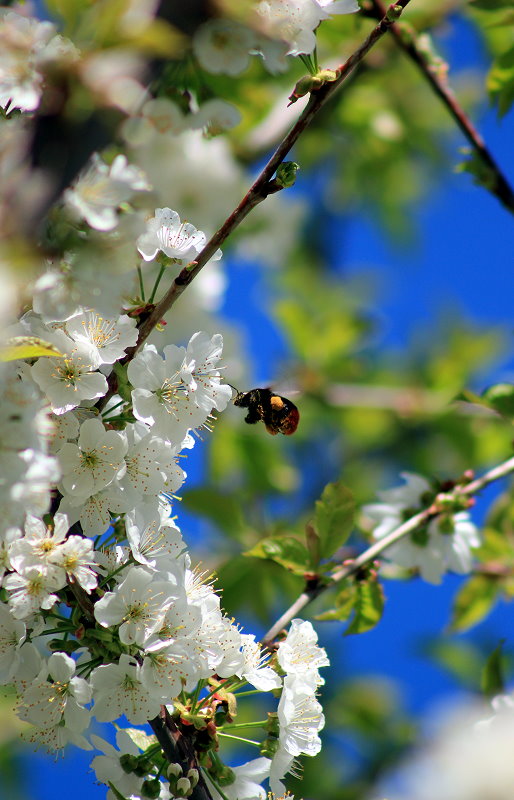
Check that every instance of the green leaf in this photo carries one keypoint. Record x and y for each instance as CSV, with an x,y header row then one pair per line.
x,y
492,681
333,520
473,602
284,550
501,398
28,347
368,607
344,604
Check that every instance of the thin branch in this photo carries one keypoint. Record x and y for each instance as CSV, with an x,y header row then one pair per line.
x,y
404,400
465,490
261,188
407,40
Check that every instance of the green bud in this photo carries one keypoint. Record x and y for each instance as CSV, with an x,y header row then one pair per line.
x,y
286,173
393,13
420,537
151,788
128,763
225,776
302,87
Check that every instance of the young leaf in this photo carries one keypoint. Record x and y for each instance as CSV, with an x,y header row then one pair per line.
x,y
492,681
473,602
27,347
333,520
368,607
284,550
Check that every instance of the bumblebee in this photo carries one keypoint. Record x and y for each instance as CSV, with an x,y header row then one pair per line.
x,y
278,413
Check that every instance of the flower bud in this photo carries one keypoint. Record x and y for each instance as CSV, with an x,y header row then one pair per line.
x,y
286,173
183,787
151,788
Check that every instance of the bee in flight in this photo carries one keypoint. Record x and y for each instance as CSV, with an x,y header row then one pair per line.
x,y
278,413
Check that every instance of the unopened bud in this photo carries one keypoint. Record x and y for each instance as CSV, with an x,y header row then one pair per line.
x,y
394,12
286,173
194,776
151,788
183,787
174,770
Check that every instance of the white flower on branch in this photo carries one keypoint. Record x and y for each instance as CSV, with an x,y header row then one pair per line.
x,y
222,46
12,636
108,769
34,589
300,654
68,380
44,702
92,463
119,689
108,338
295,21
154,539
247,780
255,669
180,241
177,392
100,189
138,605
444,544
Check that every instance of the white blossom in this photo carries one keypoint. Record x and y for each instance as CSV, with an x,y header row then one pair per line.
x,y
138,605
100,189
178,240
92,463
254,668
299,654
68,380
12,636
223,46
444,545
247,780
119,689
295,21
108,769
33,590
109,338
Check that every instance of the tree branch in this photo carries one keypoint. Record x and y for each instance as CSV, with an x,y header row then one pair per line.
x,y
260,189
178,748
407,41
462,490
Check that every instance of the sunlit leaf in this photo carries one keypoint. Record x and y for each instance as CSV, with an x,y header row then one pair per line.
x,y
334,516
20,347
368,607
284,550
473,602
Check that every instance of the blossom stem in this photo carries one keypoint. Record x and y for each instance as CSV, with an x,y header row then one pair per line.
x,y
194,697
141,284
261,723
156,284
414,522
239,738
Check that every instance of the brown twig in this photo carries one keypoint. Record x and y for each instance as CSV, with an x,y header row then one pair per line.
x,y
465,490
407,41
178,749
261,188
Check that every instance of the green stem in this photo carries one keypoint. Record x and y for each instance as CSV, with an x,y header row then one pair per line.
x,y
112,574
109,410
194,697
239,738
141,284
245,694
236,725
156,285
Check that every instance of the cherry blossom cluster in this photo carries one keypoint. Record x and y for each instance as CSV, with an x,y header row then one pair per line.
x,y
101,614
445,543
